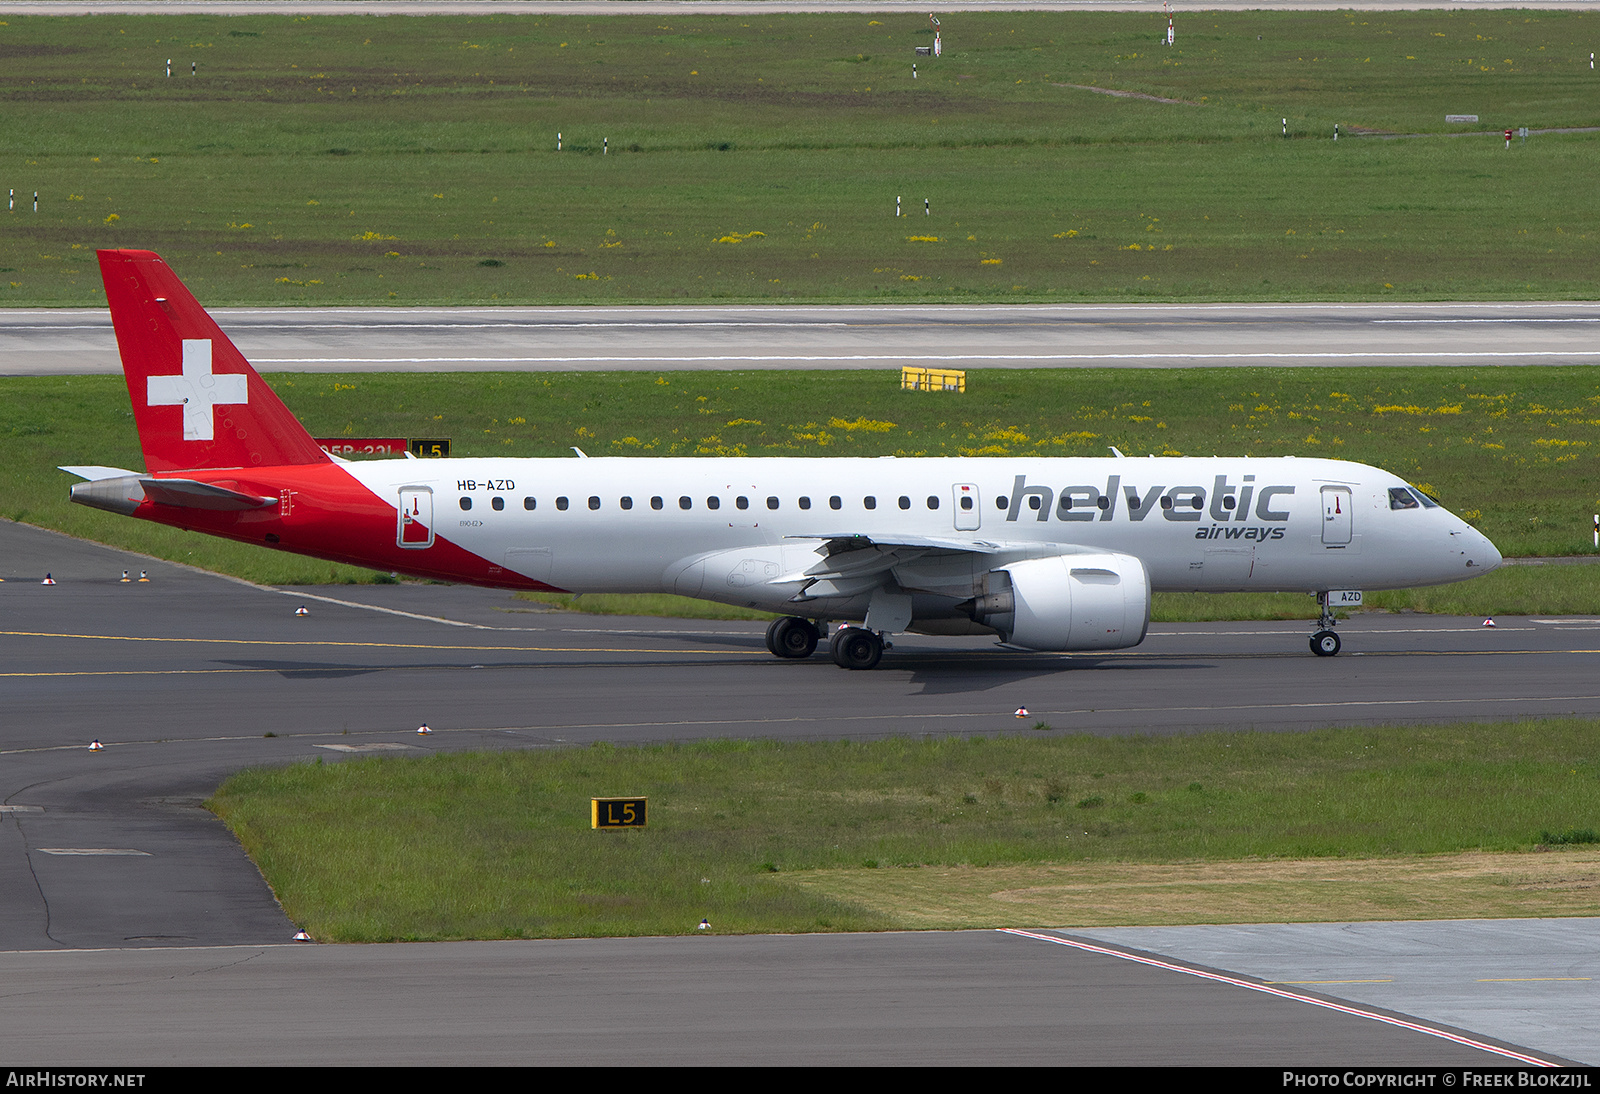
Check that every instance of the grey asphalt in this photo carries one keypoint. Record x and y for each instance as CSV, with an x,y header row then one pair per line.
x,y
126,906
978,997
561,339
1535,982
713,7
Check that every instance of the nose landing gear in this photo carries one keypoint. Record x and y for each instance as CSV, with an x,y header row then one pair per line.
x,y
1324,643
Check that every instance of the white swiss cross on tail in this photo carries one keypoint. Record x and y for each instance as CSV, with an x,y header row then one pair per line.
x,y
198,390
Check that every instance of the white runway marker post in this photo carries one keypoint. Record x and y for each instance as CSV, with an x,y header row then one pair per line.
x,y
558,140
169,68
605,146
1286,129
897,205
927,210
36,201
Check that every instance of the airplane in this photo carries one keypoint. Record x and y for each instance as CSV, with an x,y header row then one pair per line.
x,y
1047,554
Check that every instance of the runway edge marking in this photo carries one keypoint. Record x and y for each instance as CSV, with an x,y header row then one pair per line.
x,y
1266,989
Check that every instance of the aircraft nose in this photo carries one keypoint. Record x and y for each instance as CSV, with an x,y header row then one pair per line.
x,y
1482,555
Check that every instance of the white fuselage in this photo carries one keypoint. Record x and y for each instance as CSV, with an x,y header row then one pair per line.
x,y
731,529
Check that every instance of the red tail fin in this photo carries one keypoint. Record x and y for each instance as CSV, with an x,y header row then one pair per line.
x,y
196,400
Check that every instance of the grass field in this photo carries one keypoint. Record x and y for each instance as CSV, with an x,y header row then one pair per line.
x,y
1511,450
1429,822
407,160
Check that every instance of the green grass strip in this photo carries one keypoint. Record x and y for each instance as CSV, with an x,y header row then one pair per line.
x,y
403,160
498,845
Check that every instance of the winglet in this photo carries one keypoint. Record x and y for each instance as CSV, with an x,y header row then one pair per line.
x,y
196,400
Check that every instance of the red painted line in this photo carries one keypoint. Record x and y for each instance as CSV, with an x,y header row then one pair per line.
x,y
1266,989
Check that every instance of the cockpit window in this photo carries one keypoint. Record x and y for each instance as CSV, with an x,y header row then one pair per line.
x,y
1401,498
1427,502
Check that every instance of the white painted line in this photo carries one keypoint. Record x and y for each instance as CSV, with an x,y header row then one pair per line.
x,y
21,809
382,746
1326,1004
385,611
93,851
1507,319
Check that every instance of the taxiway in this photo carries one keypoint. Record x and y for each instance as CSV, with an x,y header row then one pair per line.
x,y
125,907
36,342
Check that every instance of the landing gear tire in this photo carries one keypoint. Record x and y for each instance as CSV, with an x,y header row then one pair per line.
x,y
1324,643
855,648
792,637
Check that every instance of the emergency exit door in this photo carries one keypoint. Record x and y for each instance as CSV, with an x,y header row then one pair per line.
x,y
968,512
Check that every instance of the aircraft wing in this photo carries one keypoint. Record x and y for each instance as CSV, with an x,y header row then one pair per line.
x,y
843,542
856,563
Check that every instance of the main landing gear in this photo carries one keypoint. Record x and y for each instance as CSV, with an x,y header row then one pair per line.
x,y
1325,643
850,647
792,636
856,648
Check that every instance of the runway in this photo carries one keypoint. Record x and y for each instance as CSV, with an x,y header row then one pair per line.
x,y
127,907
35,342
709,7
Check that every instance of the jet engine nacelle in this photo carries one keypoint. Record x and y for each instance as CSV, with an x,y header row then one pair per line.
x,y
1091,601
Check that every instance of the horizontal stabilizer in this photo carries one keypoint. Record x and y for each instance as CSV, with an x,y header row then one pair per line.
x,y
125,493
95,472
201,495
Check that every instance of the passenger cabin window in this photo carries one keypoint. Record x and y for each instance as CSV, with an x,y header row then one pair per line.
x,y
497,504
933,501
1228,502
835,503
772,503
594,502
656,503
741,502
1400,498
1166,502
905,502
966,504
805,503
561,504
713,502
685,502
1001,502
869,502
466,503
626,503
529,504
1105,502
